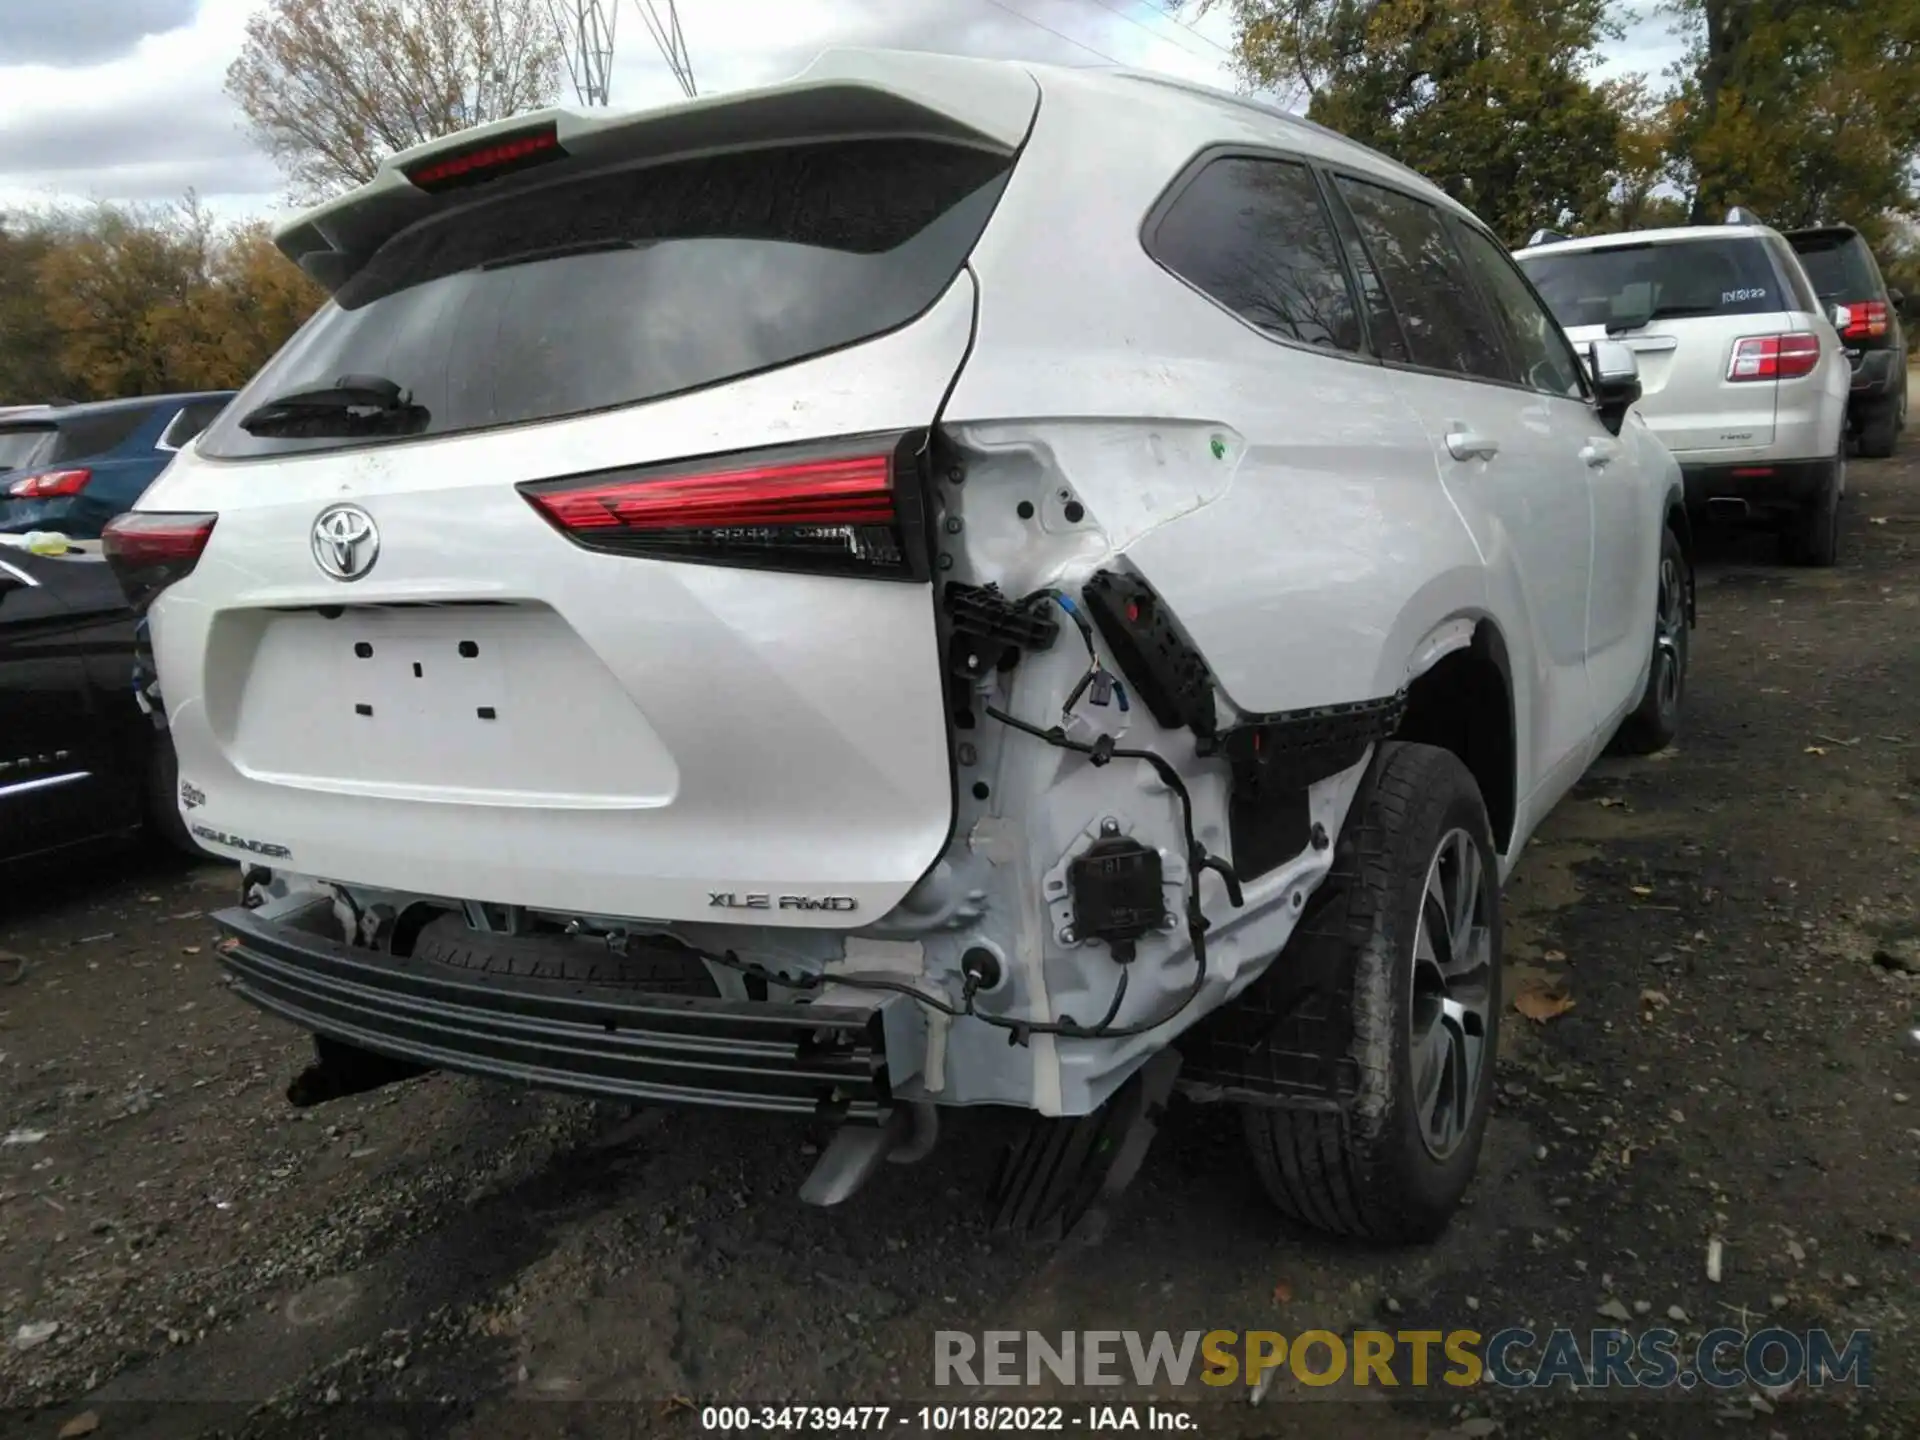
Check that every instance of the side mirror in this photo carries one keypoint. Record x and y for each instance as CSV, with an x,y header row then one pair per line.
x,y
1615,371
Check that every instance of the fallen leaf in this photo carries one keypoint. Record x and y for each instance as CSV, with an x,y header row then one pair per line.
x,y
1654,999
1541,1003
1614,1310
1282,1292
1554,957
1642,889
85,1423
1611,802
1815,750
676,1403
1876,519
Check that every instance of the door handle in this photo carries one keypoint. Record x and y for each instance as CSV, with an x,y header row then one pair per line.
x,y
1597,456
1465,444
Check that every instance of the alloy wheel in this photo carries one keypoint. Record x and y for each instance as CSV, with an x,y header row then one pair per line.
x,y
1452,991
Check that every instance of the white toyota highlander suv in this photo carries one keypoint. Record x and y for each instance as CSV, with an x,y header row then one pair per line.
x,y
939,583
1744,375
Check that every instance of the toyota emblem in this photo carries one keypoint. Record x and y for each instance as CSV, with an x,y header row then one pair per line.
x,y
345,542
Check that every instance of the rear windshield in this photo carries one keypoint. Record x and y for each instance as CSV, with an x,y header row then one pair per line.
x,y
1838,265
1621,283
23,446
631,284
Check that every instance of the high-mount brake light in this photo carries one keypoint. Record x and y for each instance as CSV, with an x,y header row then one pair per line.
x,y
851,508
151,549
1774,357
49,484
1866,320
501,155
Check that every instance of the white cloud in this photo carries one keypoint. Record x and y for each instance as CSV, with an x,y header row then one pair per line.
x,y
149,122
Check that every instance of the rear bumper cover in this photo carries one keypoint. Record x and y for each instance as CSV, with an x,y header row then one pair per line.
x,y
796,1059
1780,484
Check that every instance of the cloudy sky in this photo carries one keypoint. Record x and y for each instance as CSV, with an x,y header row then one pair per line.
x,y
121,99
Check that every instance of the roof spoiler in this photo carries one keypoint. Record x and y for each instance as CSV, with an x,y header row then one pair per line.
x,y
844,93
1546,237
1740,215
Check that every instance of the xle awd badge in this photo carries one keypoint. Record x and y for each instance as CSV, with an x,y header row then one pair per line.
x,y
346,542
729,900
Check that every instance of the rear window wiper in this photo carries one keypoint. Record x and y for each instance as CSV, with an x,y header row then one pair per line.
x,y
1659,312
351,405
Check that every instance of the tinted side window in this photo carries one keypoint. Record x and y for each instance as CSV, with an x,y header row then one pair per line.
x,y
1446,326
1255,235
1533,336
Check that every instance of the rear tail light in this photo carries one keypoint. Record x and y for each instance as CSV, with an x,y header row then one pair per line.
x,y
1867,320
151,549
843,508
1774,357
48,484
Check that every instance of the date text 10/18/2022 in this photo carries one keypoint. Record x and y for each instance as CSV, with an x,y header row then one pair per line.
x,y
1095,1419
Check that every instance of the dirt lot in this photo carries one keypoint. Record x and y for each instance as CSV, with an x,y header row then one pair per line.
x,y
1735,922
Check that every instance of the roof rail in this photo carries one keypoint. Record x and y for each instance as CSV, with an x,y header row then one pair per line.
x,y
1740,215
1546,237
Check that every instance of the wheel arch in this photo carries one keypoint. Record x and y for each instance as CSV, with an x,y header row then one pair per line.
x,y
1461,699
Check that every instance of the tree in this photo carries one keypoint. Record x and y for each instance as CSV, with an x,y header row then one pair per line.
x,y
106,284
1488,98
1799,109
30,368
115,301
333,86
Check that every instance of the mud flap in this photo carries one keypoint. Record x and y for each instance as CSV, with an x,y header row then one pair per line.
x,y
1066,1173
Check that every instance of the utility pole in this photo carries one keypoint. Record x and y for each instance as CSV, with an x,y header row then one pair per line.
x,y
587,33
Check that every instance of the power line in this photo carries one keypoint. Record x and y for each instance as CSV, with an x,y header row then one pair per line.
x,y
1057,34
1163,38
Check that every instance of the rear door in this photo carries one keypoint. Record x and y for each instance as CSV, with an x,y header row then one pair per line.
x,y
1680,305
1508,451
60,779
627,608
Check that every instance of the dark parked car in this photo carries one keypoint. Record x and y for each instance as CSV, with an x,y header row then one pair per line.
x,y
1841,265
80,759
75,467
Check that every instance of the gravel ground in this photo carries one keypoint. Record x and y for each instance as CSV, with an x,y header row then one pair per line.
x,y
1734,921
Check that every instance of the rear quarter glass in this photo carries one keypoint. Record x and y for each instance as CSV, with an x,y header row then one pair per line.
x,y
1694,277
632,284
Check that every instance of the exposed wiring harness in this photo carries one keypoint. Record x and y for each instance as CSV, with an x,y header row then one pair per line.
x,y
1102,682
1100,752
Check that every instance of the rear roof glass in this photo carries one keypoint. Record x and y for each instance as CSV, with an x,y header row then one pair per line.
x,y
1675,279
630,284
1839,265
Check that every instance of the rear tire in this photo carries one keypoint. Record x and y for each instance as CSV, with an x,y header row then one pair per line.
x,y
1880,431
1655,722
1422,919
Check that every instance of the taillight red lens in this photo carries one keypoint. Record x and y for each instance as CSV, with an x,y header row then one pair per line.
x,y
1774,357
49,483
850,509
1867,319
151,549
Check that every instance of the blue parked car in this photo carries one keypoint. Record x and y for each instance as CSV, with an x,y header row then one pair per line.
x,y
72,468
